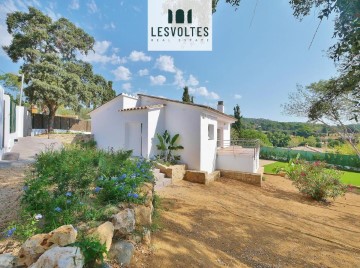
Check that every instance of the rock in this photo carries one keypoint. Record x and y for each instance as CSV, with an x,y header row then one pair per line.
x,y
33,247
124,221
148,186
64,235
105,233
7,260
148,199
143,215
135,238
122,251
36,245
146,238
111,210
60,257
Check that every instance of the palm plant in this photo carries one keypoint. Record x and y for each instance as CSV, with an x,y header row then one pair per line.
x,y
167,145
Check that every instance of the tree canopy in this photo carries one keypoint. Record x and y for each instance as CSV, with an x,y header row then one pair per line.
x,y
53,74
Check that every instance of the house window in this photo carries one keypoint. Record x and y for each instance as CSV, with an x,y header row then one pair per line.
x,y
211,131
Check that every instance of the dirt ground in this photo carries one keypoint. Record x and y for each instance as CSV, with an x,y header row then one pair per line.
x,y
232,224
11,188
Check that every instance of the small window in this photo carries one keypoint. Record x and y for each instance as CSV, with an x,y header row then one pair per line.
x,y
211,132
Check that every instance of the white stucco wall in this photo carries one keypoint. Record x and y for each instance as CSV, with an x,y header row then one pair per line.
x,y
208,146
156,124
185,121
107,124
8,137
20,112
237,162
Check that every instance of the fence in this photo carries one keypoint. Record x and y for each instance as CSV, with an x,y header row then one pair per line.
x,y
40,121
349,162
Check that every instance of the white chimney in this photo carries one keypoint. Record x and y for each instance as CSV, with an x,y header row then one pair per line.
x,y
220,106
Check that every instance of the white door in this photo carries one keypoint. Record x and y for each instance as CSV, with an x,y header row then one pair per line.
x,y
133,137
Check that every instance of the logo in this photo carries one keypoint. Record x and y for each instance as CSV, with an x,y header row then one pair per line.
x,y
179,25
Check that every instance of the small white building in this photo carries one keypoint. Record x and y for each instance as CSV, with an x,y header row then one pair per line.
x,y
132,122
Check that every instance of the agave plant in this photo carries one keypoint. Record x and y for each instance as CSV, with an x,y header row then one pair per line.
x,y
167,145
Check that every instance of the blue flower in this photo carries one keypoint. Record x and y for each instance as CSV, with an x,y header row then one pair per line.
x,y
10,232
68,201
114,178
68,194
133,195
133,176
121,188
25,188
97,189
123,176
57,209
38,216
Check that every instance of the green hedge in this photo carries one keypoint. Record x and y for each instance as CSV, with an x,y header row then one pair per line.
x,y
347,162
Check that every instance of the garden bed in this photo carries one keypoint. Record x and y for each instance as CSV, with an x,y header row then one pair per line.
x,y
86,189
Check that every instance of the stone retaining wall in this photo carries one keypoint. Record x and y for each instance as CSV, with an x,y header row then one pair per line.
x,y
201,176
250,178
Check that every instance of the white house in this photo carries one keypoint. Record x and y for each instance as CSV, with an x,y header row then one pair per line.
x,y
131,123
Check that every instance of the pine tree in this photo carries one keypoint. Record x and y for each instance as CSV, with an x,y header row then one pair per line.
x,y
186,96
237,125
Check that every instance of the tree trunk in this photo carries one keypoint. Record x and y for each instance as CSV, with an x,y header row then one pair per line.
x,y
51,118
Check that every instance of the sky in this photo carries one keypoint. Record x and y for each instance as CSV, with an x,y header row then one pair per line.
x,y
259,54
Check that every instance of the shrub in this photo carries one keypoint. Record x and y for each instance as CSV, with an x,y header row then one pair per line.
x,y
72,185
315,179
92,250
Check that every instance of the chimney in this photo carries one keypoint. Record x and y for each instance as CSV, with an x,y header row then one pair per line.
x,y
220,106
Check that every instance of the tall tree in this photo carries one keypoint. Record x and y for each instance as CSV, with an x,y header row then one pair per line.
x,y
52,72
309,102
11,82
237,126
186,96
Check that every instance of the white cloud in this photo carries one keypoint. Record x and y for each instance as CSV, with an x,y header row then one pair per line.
x,y
127,87
192,81
204,92
237,96
143,72
165,63
139,56
74,4
122,73
99,55
92,7
179,79
157,80
110,26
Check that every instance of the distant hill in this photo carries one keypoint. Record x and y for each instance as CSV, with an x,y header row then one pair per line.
x,y
294,128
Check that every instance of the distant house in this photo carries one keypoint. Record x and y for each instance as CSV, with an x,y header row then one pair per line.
x,y
131,123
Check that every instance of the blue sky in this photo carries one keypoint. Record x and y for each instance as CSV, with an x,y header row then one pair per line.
x,y
255,66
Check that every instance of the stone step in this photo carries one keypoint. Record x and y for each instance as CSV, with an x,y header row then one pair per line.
x,y
156,171
160,176
159,184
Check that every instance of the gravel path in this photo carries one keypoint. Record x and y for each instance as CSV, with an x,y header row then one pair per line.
x,y
232,224
12,175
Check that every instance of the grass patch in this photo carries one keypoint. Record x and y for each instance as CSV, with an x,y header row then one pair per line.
x,y
347,177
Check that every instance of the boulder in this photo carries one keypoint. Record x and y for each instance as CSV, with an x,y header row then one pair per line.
x,y
64,235
143,215
122,251
7,260
124,221
36,245
105,233
60,257
33,247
